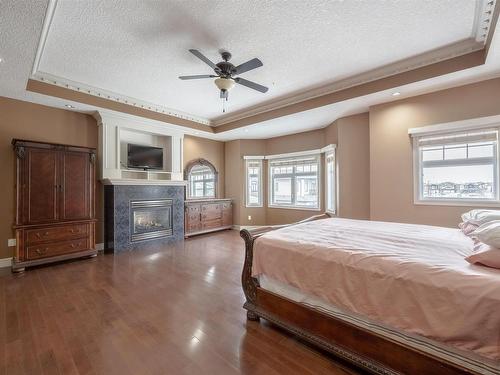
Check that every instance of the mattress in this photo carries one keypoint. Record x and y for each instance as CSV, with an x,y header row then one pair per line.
x,y
411,279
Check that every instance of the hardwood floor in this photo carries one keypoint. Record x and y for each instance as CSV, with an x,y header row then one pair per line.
x,y
175,310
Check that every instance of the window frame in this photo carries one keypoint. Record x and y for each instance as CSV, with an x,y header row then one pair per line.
x,y
334,188
260,185
418,166
293,205
214,180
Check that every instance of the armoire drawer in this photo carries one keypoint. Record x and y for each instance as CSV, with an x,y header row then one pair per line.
x,y
44,250
56,233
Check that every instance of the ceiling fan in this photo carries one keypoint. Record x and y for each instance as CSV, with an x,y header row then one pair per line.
x,y
225,72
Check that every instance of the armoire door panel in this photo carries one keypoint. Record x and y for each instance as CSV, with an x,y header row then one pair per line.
x,y
75,186
40,186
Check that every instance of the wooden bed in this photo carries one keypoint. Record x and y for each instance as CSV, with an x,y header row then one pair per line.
x,y
357,345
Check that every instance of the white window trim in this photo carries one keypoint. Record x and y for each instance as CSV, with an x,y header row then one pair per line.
x,y
335,187
443,129
261,195
292,155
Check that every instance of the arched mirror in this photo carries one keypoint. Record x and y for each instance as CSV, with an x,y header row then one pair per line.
x,y
202,179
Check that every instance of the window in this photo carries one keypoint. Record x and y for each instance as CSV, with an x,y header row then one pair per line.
x,y
254,183
330,182
294,182
202,179
457,167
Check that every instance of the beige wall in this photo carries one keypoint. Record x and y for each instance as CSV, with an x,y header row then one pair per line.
x,y
36,122
353,166
213,151
391,175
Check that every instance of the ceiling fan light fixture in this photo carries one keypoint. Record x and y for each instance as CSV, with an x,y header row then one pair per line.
x,y
224,83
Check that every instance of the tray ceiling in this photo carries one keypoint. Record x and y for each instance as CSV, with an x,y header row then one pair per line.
x,y
135,50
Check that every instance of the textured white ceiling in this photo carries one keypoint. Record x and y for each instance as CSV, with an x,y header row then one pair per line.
x,y
139,48
20,29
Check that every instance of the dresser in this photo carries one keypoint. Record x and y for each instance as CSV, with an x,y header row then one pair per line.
x,y
203,216
55,195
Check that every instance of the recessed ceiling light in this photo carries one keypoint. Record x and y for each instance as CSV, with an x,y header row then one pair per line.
x,y
69,106
246,130
396,93
1,60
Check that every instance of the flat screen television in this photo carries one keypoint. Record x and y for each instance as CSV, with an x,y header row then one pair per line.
x,y
144,157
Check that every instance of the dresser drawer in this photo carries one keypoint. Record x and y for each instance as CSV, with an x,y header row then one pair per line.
x,y
193,209
193,218
211,211
57,233
192,228
210,224
44,250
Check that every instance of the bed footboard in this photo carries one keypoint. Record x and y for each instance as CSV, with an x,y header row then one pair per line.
x,y
249,283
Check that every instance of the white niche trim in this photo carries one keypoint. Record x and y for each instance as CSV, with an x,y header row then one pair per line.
x,y
116,130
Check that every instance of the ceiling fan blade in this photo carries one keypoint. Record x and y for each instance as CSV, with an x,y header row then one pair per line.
x,y
249,65
251,84
197,76
202,57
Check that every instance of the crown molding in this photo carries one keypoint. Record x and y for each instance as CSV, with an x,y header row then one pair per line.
x,y
119,98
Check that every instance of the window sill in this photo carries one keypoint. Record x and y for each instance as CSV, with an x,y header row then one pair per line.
x,y
294,208
456,203
254,206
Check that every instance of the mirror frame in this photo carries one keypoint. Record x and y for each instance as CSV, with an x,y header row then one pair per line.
x,y
206,163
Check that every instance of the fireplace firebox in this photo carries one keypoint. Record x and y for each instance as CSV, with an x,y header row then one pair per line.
x,y
150,219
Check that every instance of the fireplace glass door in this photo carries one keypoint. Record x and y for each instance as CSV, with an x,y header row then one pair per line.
x,y
151,219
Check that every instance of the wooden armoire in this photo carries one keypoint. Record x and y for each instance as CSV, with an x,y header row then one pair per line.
x,y
55,203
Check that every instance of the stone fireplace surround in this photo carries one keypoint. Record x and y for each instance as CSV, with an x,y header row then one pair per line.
x,y
118,215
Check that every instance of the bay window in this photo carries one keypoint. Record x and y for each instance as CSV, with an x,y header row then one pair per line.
x,y
254,183
330,182
294,182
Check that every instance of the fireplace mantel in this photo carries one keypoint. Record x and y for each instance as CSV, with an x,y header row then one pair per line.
x,y
121,181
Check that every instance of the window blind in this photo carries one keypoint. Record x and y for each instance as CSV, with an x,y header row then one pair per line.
x,y
459,138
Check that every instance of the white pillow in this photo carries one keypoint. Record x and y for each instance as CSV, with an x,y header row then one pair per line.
x,y
485,255
480,217
489,233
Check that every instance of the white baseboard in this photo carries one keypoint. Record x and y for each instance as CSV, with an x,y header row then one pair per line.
x,y
240,227
5,262
99,246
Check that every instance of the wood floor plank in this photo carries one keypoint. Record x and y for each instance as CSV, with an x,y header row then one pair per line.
x,y
173,310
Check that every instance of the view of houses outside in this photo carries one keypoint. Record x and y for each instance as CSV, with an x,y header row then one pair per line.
x,y
467,182
463,171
